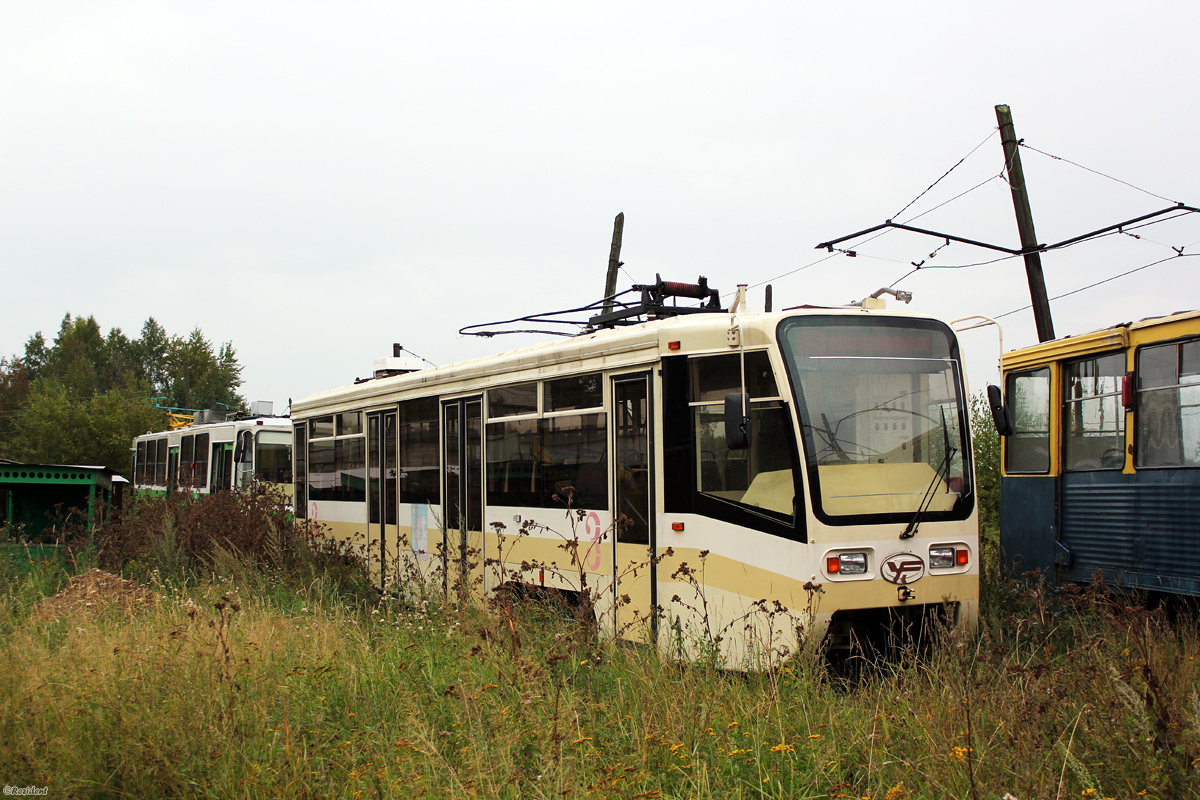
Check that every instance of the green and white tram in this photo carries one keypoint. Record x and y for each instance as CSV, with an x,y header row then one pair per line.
x,y
210,457
738,480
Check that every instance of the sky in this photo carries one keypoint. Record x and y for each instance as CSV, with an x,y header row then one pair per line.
x,y
315,181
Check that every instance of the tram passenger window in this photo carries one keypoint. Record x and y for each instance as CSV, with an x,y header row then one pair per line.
x,y
337,470
337,467
1094,417
420,465
139,465
187,449
321,427
1168,405
1027,450
574,456
322,469
160,463
531,462
200,463
511,401
349,423
351,470
762,475
514,463
575,392
148,474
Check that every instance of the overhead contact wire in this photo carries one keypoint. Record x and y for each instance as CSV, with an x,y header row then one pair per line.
x,y
1100,283
1094,172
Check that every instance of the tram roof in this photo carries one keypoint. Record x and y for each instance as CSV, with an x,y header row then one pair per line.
x,y
629,344
272,422
1111,338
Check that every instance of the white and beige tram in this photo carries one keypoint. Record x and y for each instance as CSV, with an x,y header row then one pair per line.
x,y
736,481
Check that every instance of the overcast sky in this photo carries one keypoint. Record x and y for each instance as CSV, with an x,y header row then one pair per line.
x,y
314,181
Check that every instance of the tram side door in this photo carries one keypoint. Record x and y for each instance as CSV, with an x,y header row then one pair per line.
x,y
634,536
221,467
381,496
462,498
172,468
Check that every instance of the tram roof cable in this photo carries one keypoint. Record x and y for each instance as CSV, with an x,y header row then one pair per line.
x,y
1106,280
652,304
544,318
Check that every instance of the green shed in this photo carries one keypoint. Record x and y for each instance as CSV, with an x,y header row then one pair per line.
x,y
33,495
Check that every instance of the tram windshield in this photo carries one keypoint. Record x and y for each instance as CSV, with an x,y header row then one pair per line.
x,y
273,457
881,410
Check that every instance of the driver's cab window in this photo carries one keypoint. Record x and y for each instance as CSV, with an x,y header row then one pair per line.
x,y
760,475
1027,450
1093,416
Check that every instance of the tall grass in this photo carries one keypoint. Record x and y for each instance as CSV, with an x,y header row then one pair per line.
x,y
256,676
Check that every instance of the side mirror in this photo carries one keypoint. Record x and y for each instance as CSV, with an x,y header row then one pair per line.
x,y
1000,416
737,426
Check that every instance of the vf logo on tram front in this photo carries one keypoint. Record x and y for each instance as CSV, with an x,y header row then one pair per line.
x,y
903,569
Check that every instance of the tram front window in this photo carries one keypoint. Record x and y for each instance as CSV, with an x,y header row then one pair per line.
x,y
273,457
880,405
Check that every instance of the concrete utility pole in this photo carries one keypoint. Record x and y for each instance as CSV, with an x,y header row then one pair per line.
x,y
1029,242
614,262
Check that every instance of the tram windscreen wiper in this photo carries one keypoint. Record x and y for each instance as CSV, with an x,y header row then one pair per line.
x,y
927,499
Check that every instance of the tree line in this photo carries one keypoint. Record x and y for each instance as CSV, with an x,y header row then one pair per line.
x,y
83,397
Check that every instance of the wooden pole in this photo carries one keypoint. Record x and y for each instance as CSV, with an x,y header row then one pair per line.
x,y
614,262
1029,242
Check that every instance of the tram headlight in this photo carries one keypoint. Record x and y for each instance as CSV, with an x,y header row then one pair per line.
x,y
948,557
941,557
847,564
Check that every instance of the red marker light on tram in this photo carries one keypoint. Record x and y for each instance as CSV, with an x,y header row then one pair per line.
x,y
833,565
961,557
677,527
673,345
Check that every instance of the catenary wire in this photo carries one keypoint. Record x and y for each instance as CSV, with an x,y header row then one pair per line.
x,y
1099,283
898,213
924,267
952,199
947,172
1094,172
